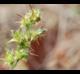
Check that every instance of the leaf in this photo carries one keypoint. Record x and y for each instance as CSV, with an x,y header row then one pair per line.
x,y
23,44
39,31
17,36
31,18
24,53
19,54
12,40
35,17
36,33
9,57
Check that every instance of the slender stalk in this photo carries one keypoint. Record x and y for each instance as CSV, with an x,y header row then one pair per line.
x,y
19,15
31,7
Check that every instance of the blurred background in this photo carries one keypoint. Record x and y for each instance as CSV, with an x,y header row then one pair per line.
x,y
68,28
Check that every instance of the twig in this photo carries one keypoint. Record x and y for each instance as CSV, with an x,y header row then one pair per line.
x,y
38,42
31,7
33,54
31,49
19,15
